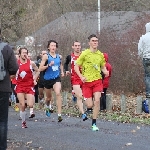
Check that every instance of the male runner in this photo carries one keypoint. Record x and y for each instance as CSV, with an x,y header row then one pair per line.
x,y
41,83
75,79
52,67
25,83
92,62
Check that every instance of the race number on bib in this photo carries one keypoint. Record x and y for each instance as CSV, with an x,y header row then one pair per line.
x,y
54,68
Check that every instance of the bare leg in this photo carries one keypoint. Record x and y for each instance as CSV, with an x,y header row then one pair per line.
x,y
57,89
78,93
31,102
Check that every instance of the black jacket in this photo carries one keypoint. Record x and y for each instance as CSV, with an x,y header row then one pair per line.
x,y
68,60
11,67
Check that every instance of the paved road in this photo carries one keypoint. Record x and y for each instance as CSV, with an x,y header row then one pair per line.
x,y
74,134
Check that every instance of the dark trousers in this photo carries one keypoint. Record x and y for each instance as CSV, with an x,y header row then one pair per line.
x,y
146,64
4,102
103,100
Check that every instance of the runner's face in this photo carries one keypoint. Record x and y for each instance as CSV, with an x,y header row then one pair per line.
x,y
93,42
76,47
52,47
29,56
24,54
43,53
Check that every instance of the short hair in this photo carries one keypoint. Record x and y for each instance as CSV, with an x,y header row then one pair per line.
x,y
20,49
52,41
91,36
75,42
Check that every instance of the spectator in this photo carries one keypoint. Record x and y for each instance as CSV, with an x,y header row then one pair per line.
x,y
105,83
11,67
144,53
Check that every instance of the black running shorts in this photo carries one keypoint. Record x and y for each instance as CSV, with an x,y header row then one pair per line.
x,y
48,84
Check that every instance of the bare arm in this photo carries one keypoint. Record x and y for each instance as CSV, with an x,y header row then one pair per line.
x,y
105,71
61,67
37,72
42,64
77,70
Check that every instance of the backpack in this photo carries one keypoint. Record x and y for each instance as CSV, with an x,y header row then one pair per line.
x,y
145,106
2,67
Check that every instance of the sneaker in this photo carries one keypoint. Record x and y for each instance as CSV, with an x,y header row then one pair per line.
x,y
89,111
95,128
32,115
48,112
16,108
59,119
74,99
84,117
24,125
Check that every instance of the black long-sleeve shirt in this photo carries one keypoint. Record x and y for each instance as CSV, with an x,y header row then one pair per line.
x,y
68,60
41,77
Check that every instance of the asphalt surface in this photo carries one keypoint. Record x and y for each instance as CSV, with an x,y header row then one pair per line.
x,y
73,134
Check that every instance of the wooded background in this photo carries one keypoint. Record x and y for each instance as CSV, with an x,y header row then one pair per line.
x,y
122,24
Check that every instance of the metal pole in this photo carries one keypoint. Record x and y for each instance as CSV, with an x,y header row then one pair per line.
x,y
99,16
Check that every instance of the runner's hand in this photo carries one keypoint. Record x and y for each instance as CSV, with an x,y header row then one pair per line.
x,y
35,83
67,73
83,79
106,73
51,63
62,74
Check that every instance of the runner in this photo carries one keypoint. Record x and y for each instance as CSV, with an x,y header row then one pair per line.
x,y
41,84
25,83
75,79
13,81
52,67
36,86
92,62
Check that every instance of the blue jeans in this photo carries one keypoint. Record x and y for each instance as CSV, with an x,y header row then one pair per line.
x,y
4,102
146,64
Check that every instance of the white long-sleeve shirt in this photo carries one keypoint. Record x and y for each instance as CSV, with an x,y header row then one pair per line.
x,y
144,46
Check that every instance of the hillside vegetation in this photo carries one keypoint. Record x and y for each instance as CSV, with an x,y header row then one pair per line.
x,y
19,18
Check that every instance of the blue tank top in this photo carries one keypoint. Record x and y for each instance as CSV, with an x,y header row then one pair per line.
x,y
53,72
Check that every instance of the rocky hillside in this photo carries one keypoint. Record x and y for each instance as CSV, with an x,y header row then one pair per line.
x,y
19,18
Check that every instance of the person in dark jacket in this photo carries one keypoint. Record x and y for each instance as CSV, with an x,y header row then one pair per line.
x,y
105,83
11,67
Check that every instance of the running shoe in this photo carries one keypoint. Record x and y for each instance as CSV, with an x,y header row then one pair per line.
x,y
24,125
89,111
48,112
95,128
32,115
84,117
74,99
59,119
16,108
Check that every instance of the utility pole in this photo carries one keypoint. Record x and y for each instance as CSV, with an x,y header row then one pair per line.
x,y
99,16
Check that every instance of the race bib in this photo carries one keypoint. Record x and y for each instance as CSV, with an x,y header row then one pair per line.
x,y
23,74
54,68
